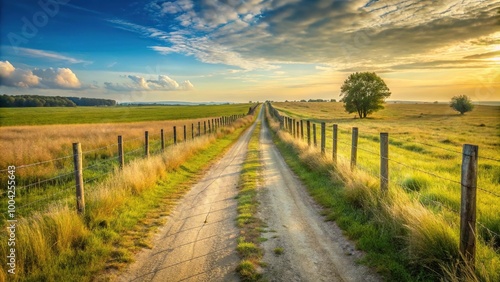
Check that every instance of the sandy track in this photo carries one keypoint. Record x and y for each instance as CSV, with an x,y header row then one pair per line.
x,y
198,241
314,250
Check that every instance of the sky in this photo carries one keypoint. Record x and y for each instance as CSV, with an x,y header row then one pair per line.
x,y
248,50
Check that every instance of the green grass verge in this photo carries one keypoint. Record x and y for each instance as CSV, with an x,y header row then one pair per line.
x,y
118,114
110,244
250,226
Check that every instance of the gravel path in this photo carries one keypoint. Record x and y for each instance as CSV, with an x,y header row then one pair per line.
x,y
198,241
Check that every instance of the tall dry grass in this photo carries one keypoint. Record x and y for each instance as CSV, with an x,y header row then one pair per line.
x,y
47,239
22,145
429,240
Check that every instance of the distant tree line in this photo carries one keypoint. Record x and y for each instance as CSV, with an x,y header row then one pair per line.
x,y
7,101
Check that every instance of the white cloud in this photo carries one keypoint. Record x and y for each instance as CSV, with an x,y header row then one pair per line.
x,y
139,83
61,78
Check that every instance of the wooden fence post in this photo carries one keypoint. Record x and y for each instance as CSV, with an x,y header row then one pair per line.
x,y
302,129
294,128
192,130
162,140
199,128
323,137
308,128
334,142
146,144
297,129
468,203
204,127
354,147
175,135
121,159
315,141
209,128
78,160
384,162
185,133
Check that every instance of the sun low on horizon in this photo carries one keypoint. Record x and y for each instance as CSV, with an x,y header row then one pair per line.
x,y
241,50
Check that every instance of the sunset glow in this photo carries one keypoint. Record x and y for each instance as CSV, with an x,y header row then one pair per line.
x,y
232,50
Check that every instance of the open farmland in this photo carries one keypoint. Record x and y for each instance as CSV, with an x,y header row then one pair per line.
x,y
118,114
425,155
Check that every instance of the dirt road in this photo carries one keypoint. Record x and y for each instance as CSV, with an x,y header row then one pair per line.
x,y
198,242
313,250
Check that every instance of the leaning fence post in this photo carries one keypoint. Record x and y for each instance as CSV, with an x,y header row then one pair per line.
x,y
78,160
175,135
354,147
334,143
121,158
384,162
146,144
468,203
308,128
323,137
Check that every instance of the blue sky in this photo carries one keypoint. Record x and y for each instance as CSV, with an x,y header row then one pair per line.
x,y
240,50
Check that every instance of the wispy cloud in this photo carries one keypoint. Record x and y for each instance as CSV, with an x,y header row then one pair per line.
x,y
51,56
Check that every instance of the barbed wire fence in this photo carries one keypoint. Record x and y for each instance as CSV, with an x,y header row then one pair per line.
x,y
487,230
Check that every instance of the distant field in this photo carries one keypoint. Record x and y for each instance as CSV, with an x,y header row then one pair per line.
x,y
119,114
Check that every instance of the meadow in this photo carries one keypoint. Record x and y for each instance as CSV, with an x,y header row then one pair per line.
x,y
425,151
123,206
116,114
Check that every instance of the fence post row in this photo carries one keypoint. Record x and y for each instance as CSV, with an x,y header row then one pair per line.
x,y
121,158
78,160
354,147
384,162
468,203
323,137
146,144
468,178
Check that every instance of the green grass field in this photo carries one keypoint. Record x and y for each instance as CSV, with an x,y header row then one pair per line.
x,y
425,154
119,114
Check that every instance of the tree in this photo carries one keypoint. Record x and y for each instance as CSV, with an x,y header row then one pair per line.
x,y
364,93
462,104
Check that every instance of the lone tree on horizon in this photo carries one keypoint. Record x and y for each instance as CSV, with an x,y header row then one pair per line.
x,y
461,104
364,93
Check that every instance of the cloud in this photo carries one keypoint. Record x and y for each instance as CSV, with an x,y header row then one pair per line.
x,y
488,55
259,34
51,55
60,78
139,83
